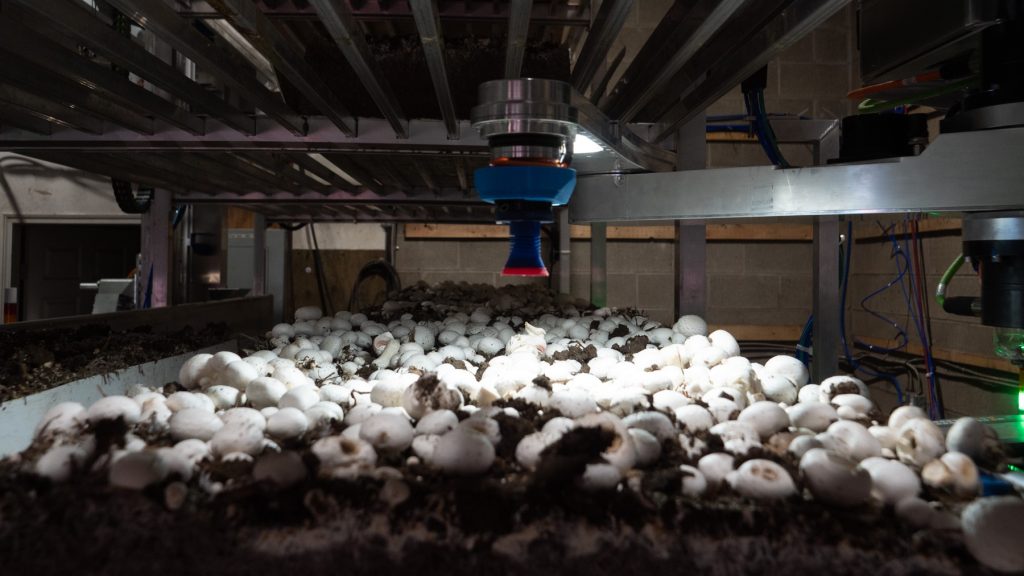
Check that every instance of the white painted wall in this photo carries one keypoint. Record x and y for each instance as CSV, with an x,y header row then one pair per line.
x,y
50,193
342,236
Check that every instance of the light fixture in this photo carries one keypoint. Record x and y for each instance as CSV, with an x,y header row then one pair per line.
x,y
584,145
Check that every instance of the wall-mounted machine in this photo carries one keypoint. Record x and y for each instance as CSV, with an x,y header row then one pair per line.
x,y
530,126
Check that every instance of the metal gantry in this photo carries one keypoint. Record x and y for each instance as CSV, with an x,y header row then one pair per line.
x,y
232,99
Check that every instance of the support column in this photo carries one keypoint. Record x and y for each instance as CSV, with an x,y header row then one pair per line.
x,y
691,235
155,270
825,361
259,255
598,264
564,251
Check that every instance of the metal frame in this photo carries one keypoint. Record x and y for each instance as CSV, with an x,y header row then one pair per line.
x,y
428,24
958,172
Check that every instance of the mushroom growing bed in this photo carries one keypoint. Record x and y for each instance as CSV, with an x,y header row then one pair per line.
x,y
462,429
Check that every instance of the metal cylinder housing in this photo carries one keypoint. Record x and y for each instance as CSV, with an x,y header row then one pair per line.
x,y
527,120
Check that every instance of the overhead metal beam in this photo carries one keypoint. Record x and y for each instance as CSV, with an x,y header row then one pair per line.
x,y
375,135
518,30
798,19
163,21
347,34
24,121
288,59
456,11
74,18
447,196
611,16
38,49
721,13
53,86
671,32
20,101
961,171
428,23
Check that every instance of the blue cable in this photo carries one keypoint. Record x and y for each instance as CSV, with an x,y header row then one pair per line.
x,y
935,410
842,322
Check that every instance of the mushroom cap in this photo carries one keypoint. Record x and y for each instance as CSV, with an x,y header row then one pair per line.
x,y
761,479
737,437
790,367
301,398
264,391
463,452
991,532
851,440
904,414
648,448
716,466
287,424
815,416
194,423
691,325
600,476
766,417
387,432
693,482
656,423
891,480
919,442
242,437
112,408
694,418
437,422
834,479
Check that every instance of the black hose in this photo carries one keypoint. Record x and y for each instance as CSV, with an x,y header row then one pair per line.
x,y
321,280
129,201
375,268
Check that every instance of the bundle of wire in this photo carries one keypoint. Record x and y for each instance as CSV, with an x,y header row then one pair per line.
x,y
754,102
854,362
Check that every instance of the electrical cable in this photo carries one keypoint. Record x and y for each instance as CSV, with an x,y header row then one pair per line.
x,y
947,278
872,105
935,409
844,285
321,280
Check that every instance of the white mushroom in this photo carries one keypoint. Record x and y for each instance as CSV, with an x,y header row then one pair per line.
x,y
194,423
339,451
761,480
463,452
953,472
904,414
301,398
113,408
621,452
244,438
693,482
264,391
891,481
63,418
648,448
528,451
920,441
766,417
738,438
814,416
834,479
600,476
387,432
990,528
694,418
850,440
287,424
790,367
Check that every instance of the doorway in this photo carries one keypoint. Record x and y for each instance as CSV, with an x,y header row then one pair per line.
x,y
50,261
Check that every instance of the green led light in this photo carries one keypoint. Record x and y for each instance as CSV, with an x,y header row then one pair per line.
x,y
1020,400
1013,468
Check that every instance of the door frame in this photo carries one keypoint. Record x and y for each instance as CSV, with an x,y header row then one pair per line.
x,y
8,219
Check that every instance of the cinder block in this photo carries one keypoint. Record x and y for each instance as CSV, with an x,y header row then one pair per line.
x,y
762,317
831,46
622,290
579,286
802,51
483,255
731,103
940,251
779,257
639,256
655,291
580,256
726,258
744,292
796,291
735,154
812,80
427,255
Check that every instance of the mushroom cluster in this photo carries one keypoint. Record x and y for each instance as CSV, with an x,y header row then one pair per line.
x,y
353,396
